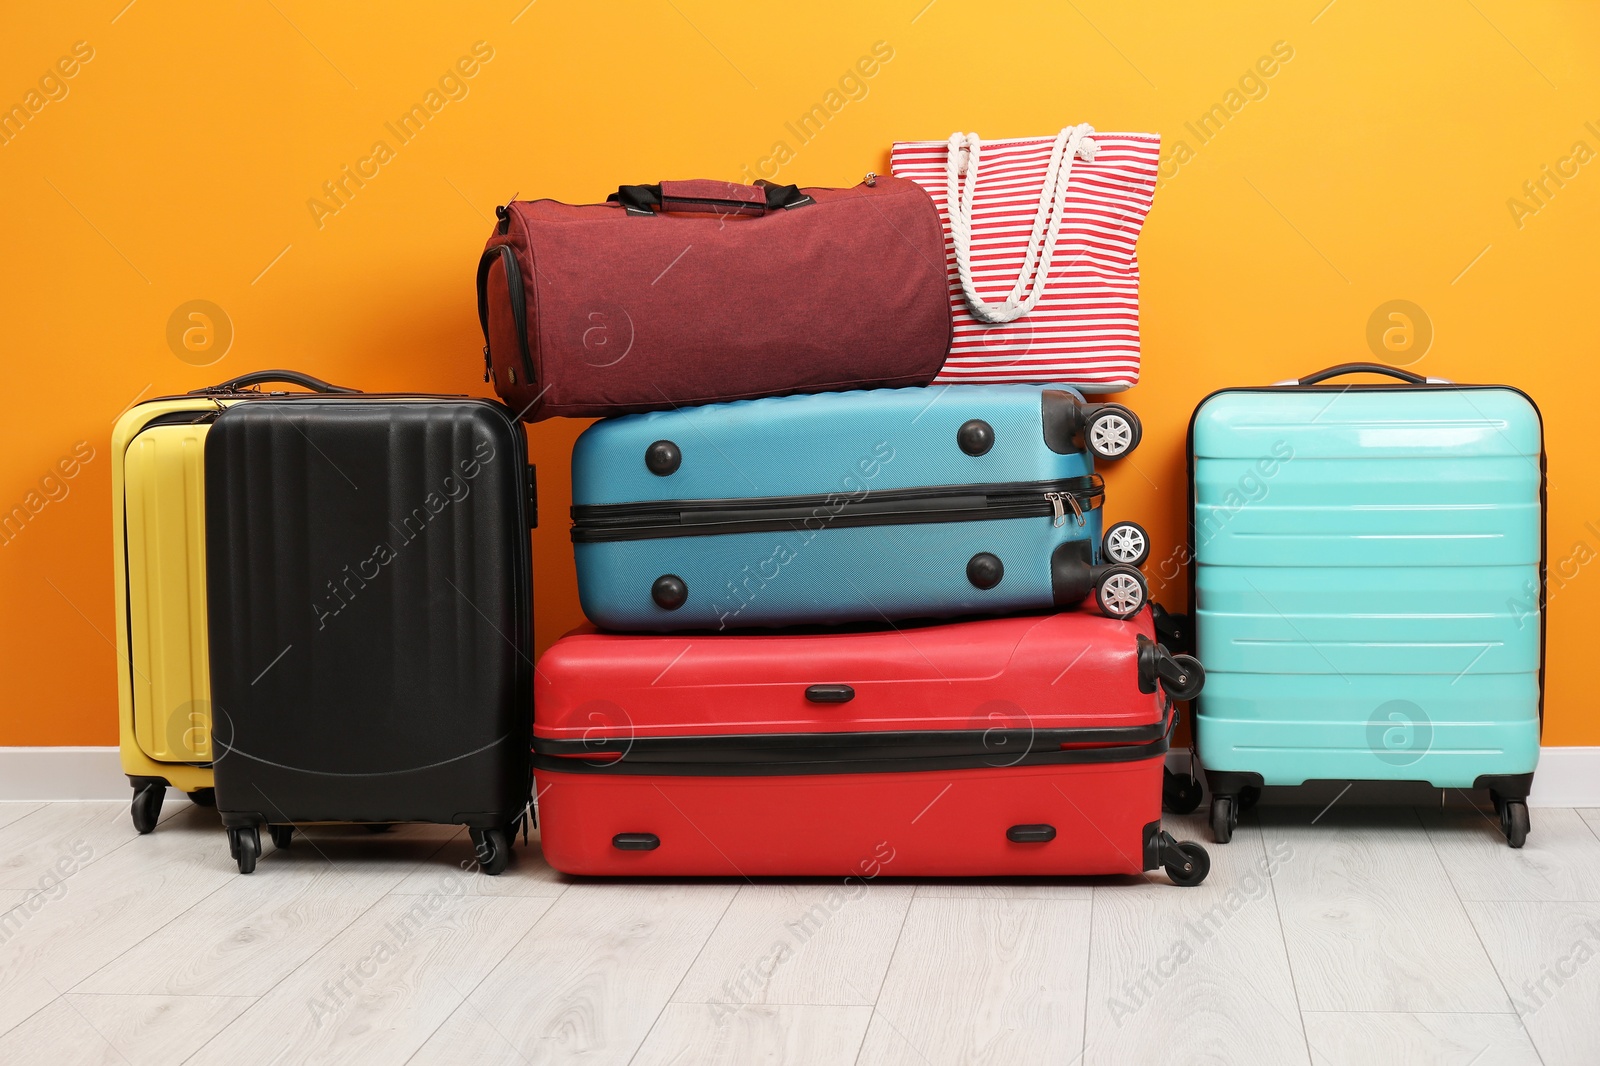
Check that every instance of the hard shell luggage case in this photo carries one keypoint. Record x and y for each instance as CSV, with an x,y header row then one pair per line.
x,y
855,506
1368,586
158,563
368,562
1023,745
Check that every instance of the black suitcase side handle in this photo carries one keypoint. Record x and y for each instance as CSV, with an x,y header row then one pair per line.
x,y
262,377
1365,368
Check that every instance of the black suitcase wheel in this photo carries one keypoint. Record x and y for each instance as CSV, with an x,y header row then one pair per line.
x,y
1112,431
1194,676
1185,861
493,850
1514,822
1120,591
1180,793
1224,816
203,797
1126,543
1189,865
281,835
245,843
146,809
377,827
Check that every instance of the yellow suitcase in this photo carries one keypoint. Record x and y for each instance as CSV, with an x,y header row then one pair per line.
x,y
158,535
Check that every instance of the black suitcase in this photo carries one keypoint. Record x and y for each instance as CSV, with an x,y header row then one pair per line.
x,y
370,600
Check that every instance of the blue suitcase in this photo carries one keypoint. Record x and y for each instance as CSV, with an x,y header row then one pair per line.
x,y
863,506
1368,587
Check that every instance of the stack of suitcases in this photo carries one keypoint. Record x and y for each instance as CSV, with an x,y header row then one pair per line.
x,y
855,607
767,548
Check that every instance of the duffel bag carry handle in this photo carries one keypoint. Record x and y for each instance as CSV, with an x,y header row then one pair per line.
x,y
707,196
262,377
1364,368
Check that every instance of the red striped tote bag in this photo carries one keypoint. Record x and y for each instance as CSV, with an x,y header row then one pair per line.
x,y
1039,242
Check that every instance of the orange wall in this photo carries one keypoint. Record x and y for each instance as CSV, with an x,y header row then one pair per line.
x,y
177,163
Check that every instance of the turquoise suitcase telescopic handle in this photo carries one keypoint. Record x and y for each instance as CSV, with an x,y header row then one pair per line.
x,y
1364,368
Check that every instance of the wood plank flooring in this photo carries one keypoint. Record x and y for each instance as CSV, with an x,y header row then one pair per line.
x,y
1349,935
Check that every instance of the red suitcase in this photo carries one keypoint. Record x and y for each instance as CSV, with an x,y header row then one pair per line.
x,y
1004,746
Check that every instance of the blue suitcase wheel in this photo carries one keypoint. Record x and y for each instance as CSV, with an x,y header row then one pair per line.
x,y
1112,431
1120,591
1126,543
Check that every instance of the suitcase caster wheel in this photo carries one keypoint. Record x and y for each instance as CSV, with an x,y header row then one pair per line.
x,y
1192,675
1180,795
1120,592
1126,543
146,809
281,835
246,847
1249,796
203,797
1185,861
377,827
1514,822
1113,431
1224,816
492,848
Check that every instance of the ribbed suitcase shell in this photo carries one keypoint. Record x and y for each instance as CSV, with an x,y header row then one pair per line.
x,y
852,444
760,791
1367,575
370,601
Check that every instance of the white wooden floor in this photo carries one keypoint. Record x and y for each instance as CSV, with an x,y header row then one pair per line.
x,y
1377,935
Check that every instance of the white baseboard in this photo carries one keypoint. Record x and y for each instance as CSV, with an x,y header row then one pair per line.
x,y
1567,777
62,774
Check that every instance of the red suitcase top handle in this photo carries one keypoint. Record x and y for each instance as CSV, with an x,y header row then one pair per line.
x,y
261,377
1364,368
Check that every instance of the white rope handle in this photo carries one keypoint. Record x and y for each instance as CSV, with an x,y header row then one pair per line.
x,y
1071,143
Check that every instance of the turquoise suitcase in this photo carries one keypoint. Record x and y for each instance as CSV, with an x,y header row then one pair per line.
x,y
1368,587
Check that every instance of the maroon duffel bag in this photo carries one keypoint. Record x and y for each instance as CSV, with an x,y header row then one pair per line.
x,y
694,292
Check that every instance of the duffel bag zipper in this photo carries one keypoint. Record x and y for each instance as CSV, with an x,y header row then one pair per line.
x,y
943,503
